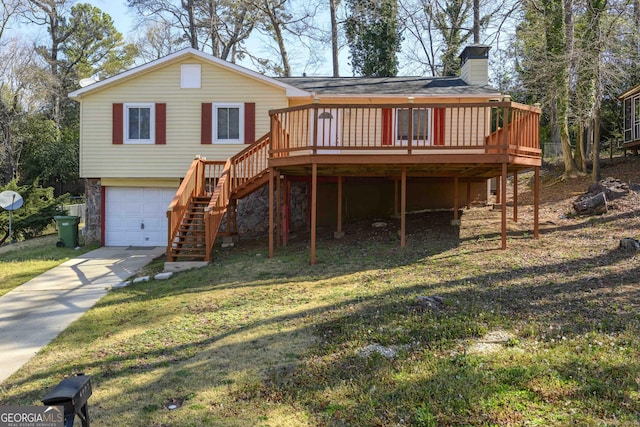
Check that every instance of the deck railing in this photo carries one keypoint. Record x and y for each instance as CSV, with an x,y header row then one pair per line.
x,y
249,163
404,128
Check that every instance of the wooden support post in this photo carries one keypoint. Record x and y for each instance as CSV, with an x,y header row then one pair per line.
x,y
339,234
278,208
287,212
314,201
271,177
503,200
403,208
229,217
498,189
536,203
456,200
515,196
469,195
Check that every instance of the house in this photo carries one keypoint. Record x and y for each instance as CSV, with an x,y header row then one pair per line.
x,y
421,142
631,119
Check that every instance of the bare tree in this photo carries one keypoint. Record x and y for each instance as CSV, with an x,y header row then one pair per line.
x,y
436,30
51,15
220,26
9,10
156,40
178,14
333,12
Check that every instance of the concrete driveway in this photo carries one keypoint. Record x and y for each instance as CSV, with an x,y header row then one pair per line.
x,y
35,313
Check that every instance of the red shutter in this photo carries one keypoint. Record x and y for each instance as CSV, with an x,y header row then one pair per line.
x,y
161,123
206,123
438,126
117,122
387,126
249,122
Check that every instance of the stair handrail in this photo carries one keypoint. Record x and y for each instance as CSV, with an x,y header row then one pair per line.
x,y
180,202
250,163
217,208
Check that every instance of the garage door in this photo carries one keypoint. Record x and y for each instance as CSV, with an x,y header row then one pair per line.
x,y
137,216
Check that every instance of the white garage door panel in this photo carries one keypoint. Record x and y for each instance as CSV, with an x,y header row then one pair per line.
x,y
137,216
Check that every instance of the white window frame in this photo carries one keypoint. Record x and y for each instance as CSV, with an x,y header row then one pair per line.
x,y
190,76
429,120
240,106
152,123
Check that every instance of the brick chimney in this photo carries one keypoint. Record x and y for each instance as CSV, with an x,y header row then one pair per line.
x,y
474,64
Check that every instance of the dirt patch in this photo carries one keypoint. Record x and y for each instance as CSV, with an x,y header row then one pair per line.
x,y
492,342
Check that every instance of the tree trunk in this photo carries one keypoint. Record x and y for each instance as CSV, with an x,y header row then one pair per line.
x,y
476,21
581,139
595,172
333,9
193,32
276,26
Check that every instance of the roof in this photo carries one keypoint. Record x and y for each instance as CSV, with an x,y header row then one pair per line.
x,y
179,56
308,86
414,86
634,90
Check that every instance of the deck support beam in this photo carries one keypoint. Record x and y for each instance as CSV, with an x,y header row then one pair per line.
x,y
286,226
515,196
271,177
403,208
536,203
503,201
314,213
278,208
339,233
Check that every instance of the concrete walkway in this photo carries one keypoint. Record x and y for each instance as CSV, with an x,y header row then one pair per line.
x,y
35,313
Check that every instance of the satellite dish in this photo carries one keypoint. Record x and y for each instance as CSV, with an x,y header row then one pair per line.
x,y
86,82
10,200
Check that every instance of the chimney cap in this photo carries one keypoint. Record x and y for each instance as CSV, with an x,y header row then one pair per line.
x,y
475,51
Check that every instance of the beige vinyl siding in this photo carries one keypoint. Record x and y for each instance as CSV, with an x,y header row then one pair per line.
x,y
466,126
100,158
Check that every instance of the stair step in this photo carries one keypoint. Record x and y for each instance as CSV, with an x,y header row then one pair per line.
x,y
194,231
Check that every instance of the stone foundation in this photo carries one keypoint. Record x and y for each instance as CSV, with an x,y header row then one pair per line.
x,y
93,215
253,211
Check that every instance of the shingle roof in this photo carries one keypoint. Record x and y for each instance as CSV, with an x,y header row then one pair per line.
x,y
386,86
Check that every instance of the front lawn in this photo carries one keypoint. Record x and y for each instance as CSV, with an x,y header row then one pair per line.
x,y
544,333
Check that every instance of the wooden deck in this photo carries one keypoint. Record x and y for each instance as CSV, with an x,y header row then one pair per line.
x,y
454,140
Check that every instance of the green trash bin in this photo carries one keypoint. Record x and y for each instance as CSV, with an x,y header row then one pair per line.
x,y
67,231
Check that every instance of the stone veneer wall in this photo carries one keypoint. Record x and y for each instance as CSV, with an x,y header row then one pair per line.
x,y
253,211
93,220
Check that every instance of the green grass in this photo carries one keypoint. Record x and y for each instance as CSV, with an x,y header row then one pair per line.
x,y
21,262
253,341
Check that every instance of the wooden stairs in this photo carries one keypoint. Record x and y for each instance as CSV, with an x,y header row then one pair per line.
x,y
190,241
210,190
